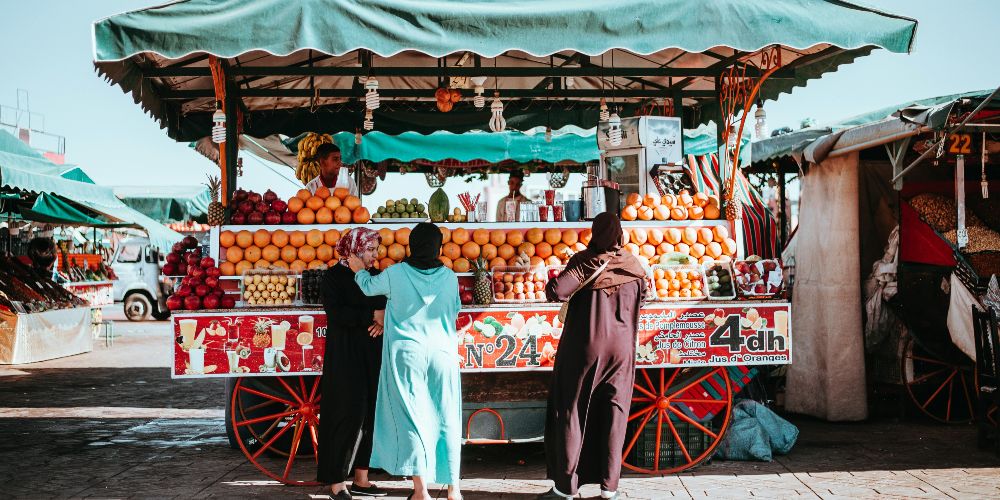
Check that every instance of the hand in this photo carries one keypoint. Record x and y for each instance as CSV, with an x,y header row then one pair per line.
x,y
356,263
380,316
375,330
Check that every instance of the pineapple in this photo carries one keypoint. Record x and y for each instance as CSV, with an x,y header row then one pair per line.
x,y
216,212
483,289
733,209
261,332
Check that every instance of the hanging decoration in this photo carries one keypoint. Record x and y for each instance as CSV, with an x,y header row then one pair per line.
x,y
604,114
497,122
615,129
369,123
372,97
447,98
218,124
479,101
760,122
557,180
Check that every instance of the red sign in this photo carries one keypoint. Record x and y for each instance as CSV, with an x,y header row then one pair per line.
x,y
217,344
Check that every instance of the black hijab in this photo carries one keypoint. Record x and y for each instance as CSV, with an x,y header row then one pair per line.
x,y
606,245
425,246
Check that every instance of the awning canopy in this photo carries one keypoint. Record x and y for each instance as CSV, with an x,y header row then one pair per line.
x,y
52,209
166,203
296,65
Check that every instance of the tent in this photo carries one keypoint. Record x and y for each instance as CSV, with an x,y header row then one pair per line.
x,y
166,203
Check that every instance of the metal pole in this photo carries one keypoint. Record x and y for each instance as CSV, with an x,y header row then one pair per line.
x,y
782,216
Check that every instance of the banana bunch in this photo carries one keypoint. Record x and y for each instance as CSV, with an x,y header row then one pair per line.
x,y
308,167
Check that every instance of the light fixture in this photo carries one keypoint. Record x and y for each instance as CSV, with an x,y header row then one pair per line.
x,y
479,101
604,115
760,122
218,125
615,129
369,120
371,98
571,81
497,122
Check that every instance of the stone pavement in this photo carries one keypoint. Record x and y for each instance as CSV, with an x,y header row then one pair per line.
x,y
112,424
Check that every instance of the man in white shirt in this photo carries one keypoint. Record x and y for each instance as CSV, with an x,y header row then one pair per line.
x,y
514,183
330,171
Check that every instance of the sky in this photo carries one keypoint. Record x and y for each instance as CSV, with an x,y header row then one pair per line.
x,y
48,53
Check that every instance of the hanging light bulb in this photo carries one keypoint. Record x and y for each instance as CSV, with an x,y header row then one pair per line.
x,y
615,129
218,125
497,122
570,81
369,120
371,98
479,101
760,122
548,134
604,115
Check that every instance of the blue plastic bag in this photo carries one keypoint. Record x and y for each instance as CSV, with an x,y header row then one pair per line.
x,y
756,433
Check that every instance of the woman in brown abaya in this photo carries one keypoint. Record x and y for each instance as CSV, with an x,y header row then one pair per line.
x,y
595,365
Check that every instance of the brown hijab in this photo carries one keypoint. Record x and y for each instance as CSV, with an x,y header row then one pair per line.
x,y
606,245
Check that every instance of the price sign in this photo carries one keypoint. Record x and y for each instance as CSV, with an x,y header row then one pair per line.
x,y
960,144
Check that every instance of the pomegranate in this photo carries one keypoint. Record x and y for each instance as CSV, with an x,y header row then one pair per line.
x,y
178,248
211,302
270,196
174,302
228,302
211,282
272,218
182,269
255,218
245,207
192,259
261,207
213,272
193,282
288,218
173,258
207,262
190,242
279,206
239,195
196,272
238,218
183,291
202,290
254,197
170,269
192,302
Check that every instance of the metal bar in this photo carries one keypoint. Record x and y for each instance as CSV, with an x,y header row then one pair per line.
x,y
961,234
429,93
782,215
233,105
540,71
877,142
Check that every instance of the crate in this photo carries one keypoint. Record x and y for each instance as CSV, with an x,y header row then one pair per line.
x,y
538,271
644,453
683,267
727,267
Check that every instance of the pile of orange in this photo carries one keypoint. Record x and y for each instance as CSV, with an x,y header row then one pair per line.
x,y
705,244
679,283
500,247
264,248
682,206
326,207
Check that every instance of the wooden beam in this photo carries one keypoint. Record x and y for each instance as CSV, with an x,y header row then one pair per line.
x,y
429,93
529,72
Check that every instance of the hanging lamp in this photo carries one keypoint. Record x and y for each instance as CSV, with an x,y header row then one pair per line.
x,y
369,120
760,122
497,122
372,97
479,101
604,115
615,129
218,124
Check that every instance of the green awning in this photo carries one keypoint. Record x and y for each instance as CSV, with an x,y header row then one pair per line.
x,y
53,210
166,203
11,144
77,174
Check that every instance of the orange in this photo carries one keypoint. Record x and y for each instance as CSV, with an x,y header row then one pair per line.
x,y
323,192
689,235
696,213
685,199
638,236
543,250
633,248
553,236
461,265
307,254
324,215
298,266
447,262
658,274
498,237
315,203
383,264
227,239
626,236
242,267
332,203
403,236
342,215
664,248
289,254
382,251
244,239
682,248
553,261
645,213
668,200
705,236
314,238
724,259
570,236
261,237
460,236
331,237
295,204
270,253
661,212
515,237
651,200
396,252
497,262
559,250
537,261
445,235
526,248
654,236
672,236
352,202
303,194
713,250
316,264
678,213
729,247
306,216
251,254
341,192
505,251
720,233
297,238
585,236
470,250
279,238
481,236
451,250
697,250
700,199
227,269
712,212
489,251
633,199
361,215
387,236
630,213
234,255
647,250
714,201
261,264
534,236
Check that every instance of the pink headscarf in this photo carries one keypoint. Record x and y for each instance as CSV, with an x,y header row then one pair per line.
x,y
356,241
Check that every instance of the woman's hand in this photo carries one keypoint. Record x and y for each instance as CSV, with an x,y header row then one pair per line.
x,y
355,263
378,324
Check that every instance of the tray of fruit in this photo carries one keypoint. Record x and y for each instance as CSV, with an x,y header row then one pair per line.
x,y
676,282
758,278
519,285
261,287
401,210
719,280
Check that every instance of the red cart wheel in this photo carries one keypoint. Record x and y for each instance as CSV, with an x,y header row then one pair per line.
x,y
276,420
942,390
678,418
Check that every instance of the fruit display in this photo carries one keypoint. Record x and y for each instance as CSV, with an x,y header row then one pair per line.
x,y
184,254
402,209
200,288
679,282
757,278
308,167
682,206
326,207
519,284
256,209
78,270
24,290
657,245
269,288
719,278
438,206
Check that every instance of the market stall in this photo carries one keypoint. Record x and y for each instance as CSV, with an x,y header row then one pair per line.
x,y
248,310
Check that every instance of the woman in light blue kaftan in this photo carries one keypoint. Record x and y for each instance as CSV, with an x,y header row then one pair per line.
x,y
419,410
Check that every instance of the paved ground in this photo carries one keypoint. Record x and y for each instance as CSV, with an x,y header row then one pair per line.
x,y
112,423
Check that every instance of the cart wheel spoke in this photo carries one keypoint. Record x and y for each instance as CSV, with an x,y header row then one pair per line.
x,y
315,440
638,433
649,382
659,432
266,395
965,392
928,360
644,391
261,405
315,388
926,376
938,391
271,441
679,441
281,380
663,387
951,387
266,418
296,438
691,421
302,388
642,399
701,401
641,413
697,381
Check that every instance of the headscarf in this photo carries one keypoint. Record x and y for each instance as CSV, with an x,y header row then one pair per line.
x,y
425,246
606,245
355,242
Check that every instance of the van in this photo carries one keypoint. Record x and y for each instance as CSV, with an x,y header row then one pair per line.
x,y
140,287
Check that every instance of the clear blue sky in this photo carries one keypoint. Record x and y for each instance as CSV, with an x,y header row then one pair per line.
x,y
48,52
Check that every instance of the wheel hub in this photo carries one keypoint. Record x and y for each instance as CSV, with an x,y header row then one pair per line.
x,y
662,403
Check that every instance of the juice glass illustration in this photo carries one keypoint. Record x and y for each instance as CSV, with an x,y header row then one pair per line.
x,y
307,358
188,328
306,324
278,336
269,354
197,360
781,323
234,360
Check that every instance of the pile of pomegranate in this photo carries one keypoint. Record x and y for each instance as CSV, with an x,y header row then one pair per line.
x,y
200,288
256,209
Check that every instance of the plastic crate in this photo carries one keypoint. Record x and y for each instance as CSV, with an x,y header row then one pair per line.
x,y
683,267
644,453
498,274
